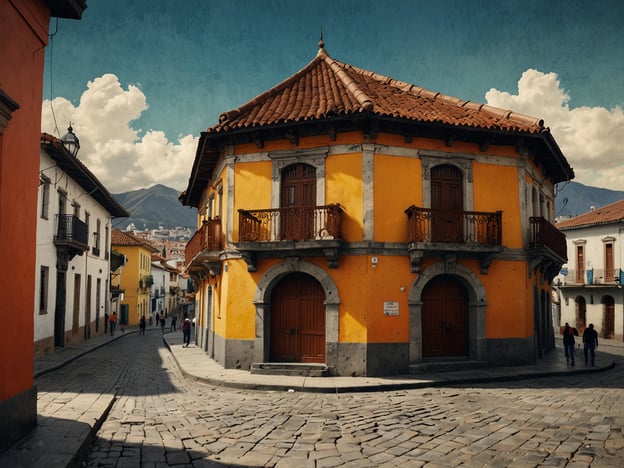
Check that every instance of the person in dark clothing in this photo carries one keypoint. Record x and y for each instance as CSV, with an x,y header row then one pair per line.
x,y
590,343
568,342
142,325
162,322
186,331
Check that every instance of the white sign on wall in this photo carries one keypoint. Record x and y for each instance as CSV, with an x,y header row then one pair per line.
x,y
391,308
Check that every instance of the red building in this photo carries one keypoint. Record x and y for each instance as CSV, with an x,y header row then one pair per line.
x,y
23,37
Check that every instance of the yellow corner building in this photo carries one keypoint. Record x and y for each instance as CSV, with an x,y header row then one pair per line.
x,y
352,224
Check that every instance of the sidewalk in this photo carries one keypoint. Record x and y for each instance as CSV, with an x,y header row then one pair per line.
x,y
195,364
62,442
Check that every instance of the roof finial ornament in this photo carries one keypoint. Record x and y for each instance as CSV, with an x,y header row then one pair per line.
x,y
321,52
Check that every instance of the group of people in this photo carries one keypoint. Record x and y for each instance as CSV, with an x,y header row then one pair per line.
x,y
590,343
186,326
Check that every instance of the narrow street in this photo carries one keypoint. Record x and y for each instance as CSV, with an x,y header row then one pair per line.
x,y
160,418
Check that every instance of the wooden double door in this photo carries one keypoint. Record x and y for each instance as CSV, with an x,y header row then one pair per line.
x,y
298,320
445,318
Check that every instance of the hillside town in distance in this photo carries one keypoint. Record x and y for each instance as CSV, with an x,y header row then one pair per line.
x,y
165,298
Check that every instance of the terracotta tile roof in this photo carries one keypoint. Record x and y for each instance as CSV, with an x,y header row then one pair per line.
x,y
609,214
128,239
329,88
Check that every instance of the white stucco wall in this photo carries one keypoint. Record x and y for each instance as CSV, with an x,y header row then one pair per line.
x,y
85,265
593,238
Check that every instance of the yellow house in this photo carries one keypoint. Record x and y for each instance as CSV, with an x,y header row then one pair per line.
x,y
353,224
135,278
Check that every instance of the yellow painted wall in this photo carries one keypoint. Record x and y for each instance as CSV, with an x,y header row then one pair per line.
x,y
343,184
397,185
496,188
252,189
509,297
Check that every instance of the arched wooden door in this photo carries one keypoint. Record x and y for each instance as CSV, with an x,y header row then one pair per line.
x,y
447,204
298,189
608,330
298,320
444,318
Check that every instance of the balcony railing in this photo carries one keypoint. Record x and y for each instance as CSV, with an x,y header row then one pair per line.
x,y
544,234
207,237
292,223
474,227
611,276
71,230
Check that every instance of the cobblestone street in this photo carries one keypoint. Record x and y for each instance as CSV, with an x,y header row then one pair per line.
x,y
160,418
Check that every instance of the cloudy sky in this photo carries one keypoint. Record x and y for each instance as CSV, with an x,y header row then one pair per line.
x,y
141,79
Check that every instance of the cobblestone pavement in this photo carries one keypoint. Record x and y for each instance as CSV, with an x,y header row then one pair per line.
x,y
161,419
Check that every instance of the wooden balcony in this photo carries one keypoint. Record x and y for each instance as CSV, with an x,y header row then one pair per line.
x,y
435,233
292,231
203,250
71,237
547,247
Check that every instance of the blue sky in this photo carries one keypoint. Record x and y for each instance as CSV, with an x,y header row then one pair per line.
x,y
177,65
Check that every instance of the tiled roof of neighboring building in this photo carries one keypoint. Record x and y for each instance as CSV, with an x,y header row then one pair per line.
x,y
609,214
328,88
122,238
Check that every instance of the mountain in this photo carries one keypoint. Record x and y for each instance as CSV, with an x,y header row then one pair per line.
x,y
574,199
154,207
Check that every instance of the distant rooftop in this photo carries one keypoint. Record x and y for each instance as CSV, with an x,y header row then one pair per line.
x,y
609,214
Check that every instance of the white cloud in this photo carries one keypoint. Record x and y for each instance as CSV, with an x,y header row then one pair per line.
x,y
109,144
588,136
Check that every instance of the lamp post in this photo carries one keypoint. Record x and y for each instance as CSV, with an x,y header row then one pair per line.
x,y
70,141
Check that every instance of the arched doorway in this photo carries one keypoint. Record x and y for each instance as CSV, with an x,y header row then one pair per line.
x,y
581,311
297,331
444,318
298,190
447,204
608,321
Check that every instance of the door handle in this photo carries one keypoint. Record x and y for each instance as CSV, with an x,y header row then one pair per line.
x,y
293,331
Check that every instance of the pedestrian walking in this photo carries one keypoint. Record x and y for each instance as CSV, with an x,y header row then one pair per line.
x,y
590,343
186,331
162,322
112,321
174,319
142,325
568,342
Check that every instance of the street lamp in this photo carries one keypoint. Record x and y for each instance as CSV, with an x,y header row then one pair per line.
x,y
70,141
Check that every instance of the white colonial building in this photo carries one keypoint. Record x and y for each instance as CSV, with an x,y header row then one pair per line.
x,y
590,284
72,284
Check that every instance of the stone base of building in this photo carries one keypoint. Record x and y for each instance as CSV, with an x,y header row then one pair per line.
x,y
511,351
18,417
374,359
46,346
